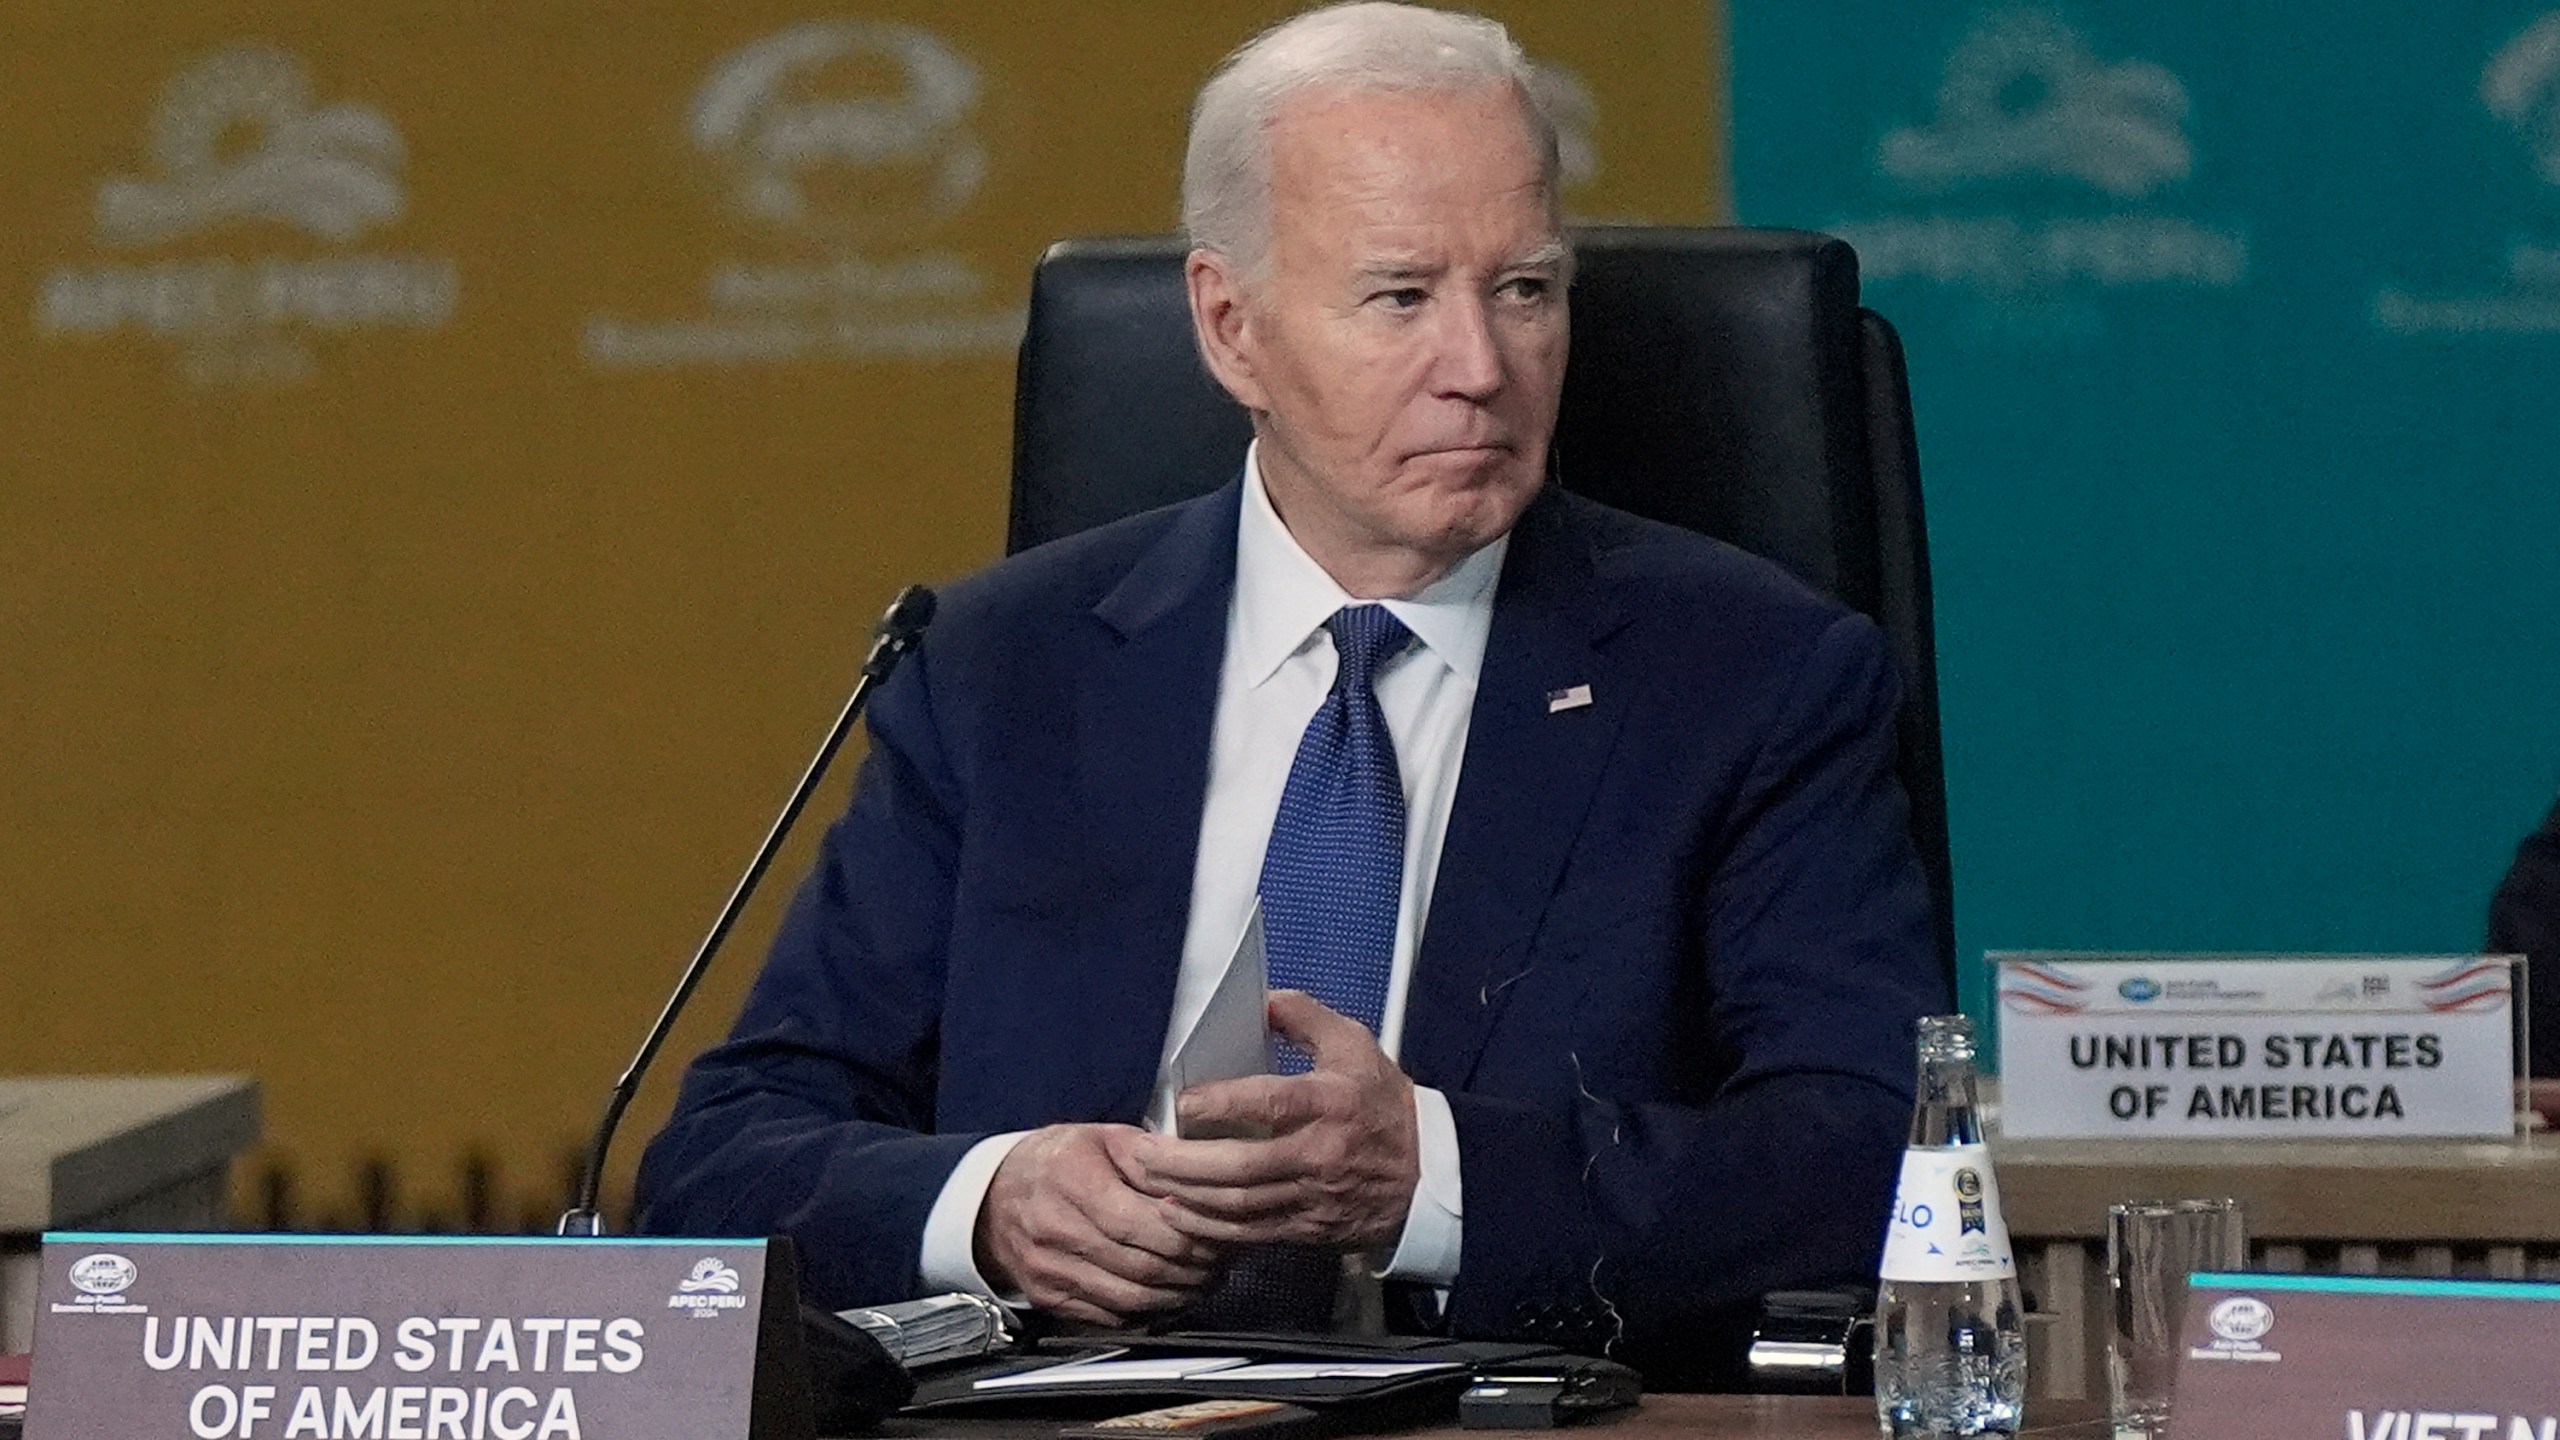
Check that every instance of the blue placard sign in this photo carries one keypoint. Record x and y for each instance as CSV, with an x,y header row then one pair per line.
x,y
267,1337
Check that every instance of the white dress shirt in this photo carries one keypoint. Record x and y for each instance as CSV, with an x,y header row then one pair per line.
x,y
1279,665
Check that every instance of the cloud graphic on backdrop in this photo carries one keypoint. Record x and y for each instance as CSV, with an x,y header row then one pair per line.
x,y
237,138
844,128
2024,95
2522,87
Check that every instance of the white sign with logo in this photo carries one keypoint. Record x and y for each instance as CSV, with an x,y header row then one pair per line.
x,y
2204,1046
415,1337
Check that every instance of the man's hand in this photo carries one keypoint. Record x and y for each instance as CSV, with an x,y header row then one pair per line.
x,y
1063,1227
1340,1167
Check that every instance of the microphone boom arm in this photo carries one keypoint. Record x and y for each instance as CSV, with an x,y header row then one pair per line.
x,y
897,633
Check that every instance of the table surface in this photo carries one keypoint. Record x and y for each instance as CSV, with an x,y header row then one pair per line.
x,y
1715,1417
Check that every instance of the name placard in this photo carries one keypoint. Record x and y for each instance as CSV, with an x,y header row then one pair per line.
x,y
271,1337
2209,1046
2338,1357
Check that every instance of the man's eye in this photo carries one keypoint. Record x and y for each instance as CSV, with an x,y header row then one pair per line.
x,y
1529,287
1404,299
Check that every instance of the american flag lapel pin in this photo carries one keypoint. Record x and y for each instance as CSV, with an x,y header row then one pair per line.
x,y
1571,697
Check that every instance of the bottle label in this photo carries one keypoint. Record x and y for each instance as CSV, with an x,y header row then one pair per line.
x,y
1946,1218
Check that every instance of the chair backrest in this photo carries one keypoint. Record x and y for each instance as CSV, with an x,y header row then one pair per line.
x,y
1726,380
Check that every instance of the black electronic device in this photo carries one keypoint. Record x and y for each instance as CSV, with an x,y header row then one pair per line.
x,y
1815,1342
1546,1392
854,1384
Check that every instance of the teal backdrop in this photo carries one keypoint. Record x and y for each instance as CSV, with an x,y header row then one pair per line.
x,y
2234,333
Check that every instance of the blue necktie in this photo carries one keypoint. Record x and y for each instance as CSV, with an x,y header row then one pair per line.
x,y
1334,870
1332,877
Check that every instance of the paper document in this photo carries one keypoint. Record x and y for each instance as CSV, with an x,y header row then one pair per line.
x,y
1232,1037
1112,1372
1327,1370
936,1328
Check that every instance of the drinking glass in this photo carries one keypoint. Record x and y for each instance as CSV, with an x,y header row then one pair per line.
x,y
2152,1246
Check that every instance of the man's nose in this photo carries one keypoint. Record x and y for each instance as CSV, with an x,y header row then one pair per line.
x,y
1469,361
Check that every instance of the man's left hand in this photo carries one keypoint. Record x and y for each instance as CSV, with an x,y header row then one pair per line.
x,y
1343,1159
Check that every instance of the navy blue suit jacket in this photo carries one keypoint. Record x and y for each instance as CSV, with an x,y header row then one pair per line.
x,y
1668,979
2524,919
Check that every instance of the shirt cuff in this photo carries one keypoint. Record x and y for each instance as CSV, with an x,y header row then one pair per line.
x,y
1434,1222
950,1258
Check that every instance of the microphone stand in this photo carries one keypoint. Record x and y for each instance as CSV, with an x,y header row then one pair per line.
x,y
897,633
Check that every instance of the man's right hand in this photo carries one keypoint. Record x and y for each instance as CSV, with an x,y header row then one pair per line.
x,y
1063,1228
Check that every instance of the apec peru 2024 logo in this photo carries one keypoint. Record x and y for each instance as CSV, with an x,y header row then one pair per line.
x,y
239,150
709,1290
2045,174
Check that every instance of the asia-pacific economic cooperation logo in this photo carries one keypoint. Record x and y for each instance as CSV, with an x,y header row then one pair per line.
x,y
2242,1317
2238,1326
105,1276
709,1290
843,148
100,1282
844,151
2026,106
2520,88
238,144
846,164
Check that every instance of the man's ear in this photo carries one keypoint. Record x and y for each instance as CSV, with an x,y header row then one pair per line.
x,y
1220,321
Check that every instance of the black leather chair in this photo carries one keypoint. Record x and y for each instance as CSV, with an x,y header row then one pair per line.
x,y
1726,380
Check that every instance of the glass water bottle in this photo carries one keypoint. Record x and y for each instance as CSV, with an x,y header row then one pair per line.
x,y
1951,1355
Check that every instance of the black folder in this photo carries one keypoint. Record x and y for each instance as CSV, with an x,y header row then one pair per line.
x,y
1367,1401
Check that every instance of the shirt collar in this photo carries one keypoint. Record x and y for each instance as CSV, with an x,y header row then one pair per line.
x,y
1283,596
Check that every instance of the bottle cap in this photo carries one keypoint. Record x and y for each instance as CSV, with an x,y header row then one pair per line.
x,y
1946,1037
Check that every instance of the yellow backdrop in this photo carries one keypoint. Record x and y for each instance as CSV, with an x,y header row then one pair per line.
x,y
450,454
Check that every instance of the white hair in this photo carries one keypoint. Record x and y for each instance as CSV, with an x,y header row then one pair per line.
x,y
1364,46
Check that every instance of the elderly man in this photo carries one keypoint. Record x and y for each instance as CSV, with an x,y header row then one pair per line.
x,y
1593,919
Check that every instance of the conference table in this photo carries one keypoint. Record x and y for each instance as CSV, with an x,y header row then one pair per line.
x,y
2428,1208
152,1153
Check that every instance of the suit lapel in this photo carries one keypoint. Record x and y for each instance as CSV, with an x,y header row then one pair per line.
x,y
1144,711
1523,790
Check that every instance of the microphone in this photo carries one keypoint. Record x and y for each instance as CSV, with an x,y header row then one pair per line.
x,y
896,634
